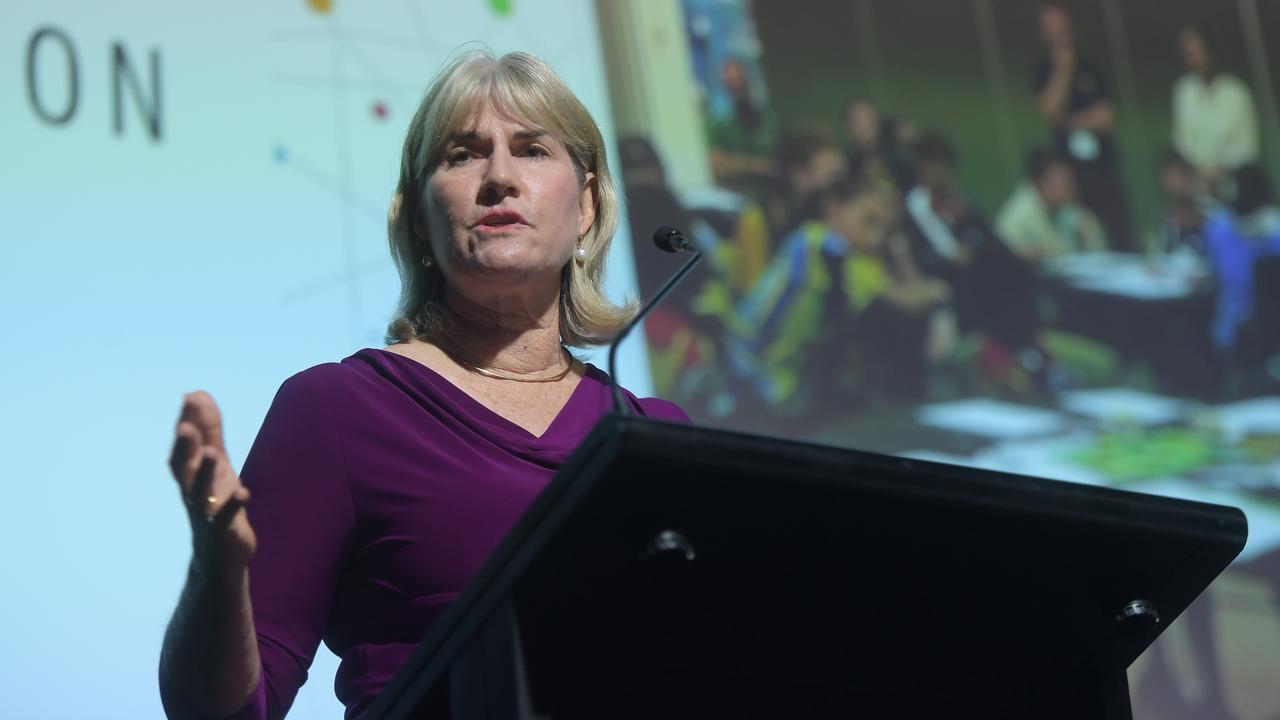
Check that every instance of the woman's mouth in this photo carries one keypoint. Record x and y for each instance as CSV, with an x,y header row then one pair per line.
x,y
500,221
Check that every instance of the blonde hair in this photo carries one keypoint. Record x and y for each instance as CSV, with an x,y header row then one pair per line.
x,y
522,86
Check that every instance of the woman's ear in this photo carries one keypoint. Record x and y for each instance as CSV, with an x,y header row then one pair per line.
x,y
587,204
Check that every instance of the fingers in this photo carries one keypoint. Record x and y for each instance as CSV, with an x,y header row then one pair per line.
x,y
202,412
210,489
184,459
225,514
216,493
199,426
201,498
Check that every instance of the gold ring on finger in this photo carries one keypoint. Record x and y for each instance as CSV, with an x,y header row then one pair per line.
x,y
210,504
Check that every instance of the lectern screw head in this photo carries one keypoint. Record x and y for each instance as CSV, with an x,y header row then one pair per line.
x,y
670,542
1139,612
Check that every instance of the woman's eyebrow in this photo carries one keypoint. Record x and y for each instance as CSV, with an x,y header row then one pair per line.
x,y
463,136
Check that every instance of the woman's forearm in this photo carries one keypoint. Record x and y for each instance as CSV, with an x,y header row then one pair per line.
x,y
210,654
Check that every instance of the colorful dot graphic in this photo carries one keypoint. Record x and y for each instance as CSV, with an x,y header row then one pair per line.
x,y
321,6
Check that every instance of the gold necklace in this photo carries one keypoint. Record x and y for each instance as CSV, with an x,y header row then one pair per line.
x,y
463,358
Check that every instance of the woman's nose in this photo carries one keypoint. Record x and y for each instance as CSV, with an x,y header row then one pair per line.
x,y
500,177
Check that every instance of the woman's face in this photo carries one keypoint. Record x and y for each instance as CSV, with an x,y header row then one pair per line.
x,y
505,204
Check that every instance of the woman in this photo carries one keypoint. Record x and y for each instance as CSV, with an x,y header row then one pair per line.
x,y
382,483
1215,121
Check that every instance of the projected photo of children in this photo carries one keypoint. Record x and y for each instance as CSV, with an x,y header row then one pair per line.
x,y
1037,237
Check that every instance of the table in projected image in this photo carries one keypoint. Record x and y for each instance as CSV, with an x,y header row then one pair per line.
x,y
1134,277
1153,311
1227,454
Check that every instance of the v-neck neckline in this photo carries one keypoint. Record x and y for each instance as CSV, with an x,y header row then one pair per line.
x,y
492,417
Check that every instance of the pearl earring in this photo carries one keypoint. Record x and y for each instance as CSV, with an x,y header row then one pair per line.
x,y
581,253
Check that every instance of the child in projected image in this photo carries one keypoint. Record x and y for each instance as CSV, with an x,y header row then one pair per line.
x,y
805,164
879,144
841,297
993,287
741,140
1182,219
1239,240
1043,220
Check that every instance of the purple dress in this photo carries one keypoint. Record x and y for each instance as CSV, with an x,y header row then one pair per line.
x,y
379,489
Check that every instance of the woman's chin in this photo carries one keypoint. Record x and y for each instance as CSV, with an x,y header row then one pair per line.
x,y
513,268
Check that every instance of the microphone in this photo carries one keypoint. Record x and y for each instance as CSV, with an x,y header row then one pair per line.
x,y
668,239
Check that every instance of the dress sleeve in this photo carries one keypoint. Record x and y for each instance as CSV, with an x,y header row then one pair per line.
x,y
302,513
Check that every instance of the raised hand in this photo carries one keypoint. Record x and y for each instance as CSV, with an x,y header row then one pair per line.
x,y
222,539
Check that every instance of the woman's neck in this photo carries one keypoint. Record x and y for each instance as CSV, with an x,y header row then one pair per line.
x,y
515,335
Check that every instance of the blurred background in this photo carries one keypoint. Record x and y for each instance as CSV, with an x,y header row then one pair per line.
x,y
1039,238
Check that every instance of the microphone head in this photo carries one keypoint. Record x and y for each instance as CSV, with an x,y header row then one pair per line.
x,y
669,239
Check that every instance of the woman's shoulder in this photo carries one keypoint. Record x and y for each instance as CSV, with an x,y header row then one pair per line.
x,y
325,374
336,381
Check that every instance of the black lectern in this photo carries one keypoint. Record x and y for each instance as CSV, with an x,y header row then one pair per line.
x,y
672,571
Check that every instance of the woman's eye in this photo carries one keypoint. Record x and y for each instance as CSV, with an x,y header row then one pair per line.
x,y
458,155
536,151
